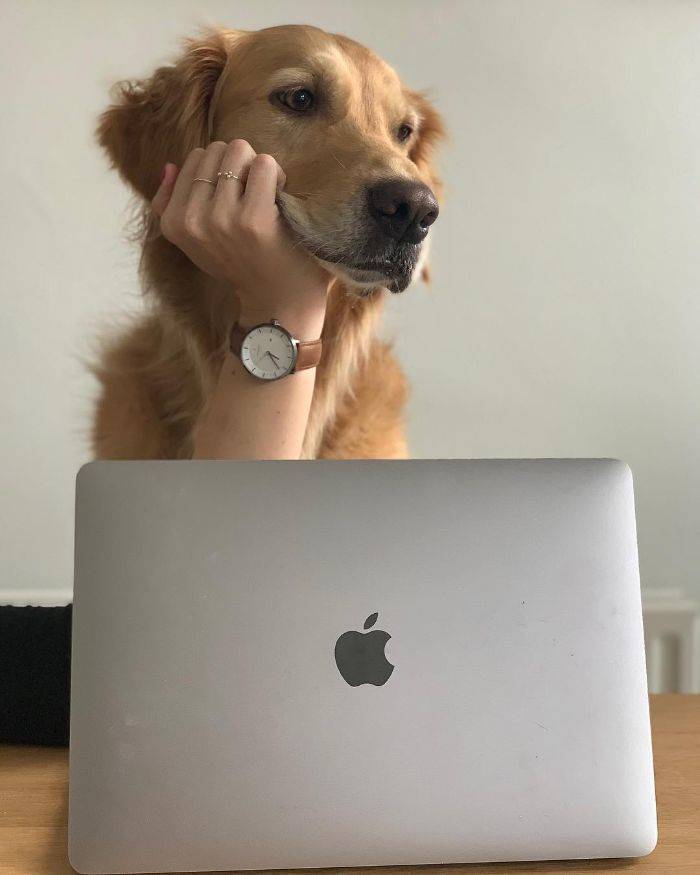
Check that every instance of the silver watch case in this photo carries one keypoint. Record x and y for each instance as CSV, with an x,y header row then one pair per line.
x,y
275,324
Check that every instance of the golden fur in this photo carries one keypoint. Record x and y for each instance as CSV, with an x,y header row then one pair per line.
x,y
156,376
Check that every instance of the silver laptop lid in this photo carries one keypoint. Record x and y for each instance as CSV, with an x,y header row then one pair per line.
x,y
235,626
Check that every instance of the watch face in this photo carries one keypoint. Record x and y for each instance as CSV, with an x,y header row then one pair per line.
x,y
268,353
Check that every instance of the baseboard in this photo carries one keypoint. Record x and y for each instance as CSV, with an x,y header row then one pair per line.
x,y
672,638
653,599
49,598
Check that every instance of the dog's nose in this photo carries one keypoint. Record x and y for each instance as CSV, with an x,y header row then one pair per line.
x,y
403,209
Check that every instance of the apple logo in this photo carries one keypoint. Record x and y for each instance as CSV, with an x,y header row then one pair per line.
x,y
360,656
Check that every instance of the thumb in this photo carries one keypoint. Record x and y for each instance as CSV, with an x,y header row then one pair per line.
x,y
165,190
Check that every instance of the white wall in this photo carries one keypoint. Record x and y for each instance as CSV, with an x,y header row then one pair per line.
x,y
566,301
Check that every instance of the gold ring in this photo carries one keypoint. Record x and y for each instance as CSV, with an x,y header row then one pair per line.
x,y
203,179
228,174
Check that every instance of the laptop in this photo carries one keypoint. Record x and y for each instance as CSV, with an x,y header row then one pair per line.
x,y
358,663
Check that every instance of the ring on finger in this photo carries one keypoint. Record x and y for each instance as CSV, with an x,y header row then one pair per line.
x,y
204,179
228,174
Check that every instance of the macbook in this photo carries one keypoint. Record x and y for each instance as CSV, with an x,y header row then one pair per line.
x,y
324,663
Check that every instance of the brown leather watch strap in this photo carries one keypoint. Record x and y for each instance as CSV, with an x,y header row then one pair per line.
x,y
308,352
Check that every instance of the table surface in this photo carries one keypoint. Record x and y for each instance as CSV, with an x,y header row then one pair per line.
x,y
34,806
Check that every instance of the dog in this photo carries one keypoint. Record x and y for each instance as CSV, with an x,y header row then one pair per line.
x,y
368,141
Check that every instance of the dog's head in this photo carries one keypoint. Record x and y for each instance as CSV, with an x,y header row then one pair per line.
x,y
355,144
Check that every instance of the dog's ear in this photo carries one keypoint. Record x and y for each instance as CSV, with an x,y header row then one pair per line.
x,y
164,117
431,132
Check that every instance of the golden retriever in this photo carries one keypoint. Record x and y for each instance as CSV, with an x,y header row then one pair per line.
x,y
367,132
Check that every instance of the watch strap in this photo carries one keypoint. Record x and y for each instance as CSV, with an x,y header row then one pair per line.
x,y
308,352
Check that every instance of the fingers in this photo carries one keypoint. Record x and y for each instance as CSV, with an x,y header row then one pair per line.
x,y
183,185
165,191
237,157
265,177
202,193
192,208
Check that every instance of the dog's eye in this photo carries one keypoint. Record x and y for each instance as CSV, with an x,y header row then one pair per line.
x,y
297,99
404,132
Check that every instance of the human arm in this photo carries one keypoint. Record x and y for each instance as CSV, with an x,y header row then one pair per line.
x,y
234,232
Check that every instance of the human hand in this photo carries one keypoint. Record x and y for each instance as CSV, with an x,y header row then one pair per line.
x,y
232,229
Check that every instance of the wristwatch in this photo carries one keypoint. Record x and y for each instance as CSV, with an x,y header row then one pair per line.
x,y
269,352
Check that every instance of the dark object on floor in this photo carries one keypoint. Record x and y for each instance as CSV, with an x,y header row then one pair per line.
x,y
35,675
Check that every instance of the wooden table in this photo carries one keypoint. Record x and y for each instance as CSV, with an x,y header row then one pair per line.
x,y
34,800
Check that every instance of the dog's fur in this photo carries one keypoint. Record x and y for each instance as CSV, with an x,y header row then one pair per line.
x,y
157,375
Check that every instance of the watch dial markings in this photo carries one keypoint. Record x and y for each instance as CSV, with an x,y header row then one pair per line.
x,y
271,362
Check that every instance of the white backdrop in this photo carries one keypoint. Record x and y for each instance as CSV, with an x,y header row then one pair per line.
x,y
565,307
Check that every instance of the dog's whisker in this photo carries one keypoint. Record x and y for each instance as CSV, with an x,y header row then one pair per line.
x,y
333,155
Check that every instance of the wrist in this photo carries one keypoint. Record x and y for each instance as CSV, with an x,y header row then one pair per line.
x,y
303,319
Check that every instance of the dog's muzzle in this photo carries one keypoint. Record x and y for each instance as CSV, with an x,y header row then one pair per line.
x,y
381,243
